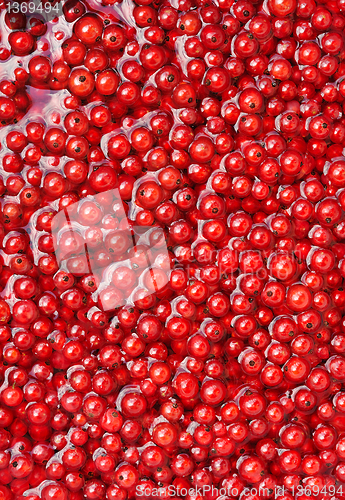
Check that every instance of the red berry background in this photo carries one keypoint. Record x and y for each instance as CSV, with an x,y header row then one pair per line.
x,y
172,250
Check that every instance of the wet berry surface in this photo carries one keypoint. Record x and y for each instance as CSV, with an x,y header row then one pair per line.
x,y
172,254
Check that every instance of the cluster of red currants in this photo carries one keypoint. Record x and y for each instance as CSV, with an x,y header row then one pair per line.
x,y
172,250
